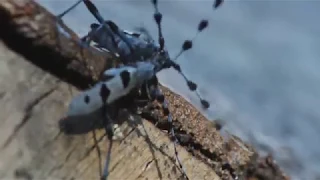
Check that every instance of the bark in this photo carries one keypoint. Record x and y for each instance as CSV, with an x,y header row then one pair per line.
x,y
39,63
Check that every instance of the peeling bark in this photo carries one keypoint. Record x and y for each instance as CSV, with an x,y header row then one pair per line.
x,y
33,101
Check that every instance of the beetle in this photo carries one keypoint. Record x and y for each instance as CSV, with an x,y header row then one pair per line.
x,y
140,59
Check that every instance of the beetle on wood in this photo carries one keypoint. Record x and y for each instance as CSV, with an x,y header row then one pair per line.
x,y
140,59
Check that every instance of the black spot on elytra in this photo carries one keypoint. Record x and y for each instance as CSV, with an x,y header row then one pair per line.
x,y
86,99
125,78
104,92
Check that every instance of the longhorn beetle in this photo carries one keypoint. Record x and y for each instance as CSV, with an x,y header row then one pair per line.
x,y
141,58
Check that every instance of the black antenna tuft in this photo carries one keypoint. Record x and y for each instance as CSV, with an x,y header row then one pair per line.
x,y
202,25
157,17
217,3
154,2
205,103
187,45
192,86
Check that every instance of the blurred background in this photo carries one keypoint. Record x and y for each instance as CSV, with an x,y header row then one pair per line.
x,y
257,64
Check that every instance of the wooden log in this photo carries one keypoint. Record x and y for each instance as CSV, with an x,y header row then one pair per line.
x,y
33,100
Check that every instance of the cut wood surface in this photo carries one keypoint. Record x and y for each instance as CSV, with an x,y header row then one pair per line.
x,y
39,64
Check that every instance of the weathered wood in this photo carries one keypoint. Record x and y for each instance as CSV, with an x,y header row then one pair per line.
x,y
33,101
45,42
